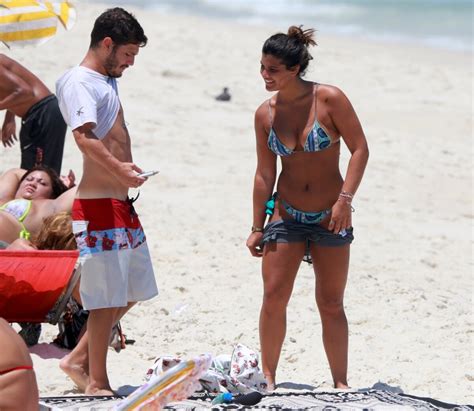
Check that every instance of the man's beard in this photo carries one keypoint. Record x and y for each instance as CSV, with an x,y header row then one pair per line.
x,y
111,65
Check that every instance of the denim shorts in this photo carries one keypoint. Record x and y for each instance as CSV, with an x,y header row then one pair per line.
x,y
291,231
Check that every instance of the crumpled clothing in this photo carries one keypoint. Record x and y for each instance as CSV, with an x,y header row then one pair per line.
x,y
238,373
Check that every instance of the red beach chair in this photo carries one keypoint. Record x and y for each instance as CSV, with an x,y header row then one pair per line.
x,y
36,285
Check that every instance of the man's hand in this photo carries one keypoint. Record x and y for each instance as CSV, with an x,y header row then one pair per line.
x,y
128,175
9,131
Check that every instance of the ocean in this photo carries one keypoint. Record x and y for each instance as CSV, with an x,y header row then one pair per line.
x,y
446,24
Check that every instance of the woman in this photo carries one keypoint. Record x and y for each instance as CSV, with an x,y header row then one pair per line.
x,y
18,387
310,212
27,197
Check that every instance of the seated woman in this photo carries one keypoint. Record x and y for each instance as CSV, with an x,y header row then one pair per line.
x,y
27,198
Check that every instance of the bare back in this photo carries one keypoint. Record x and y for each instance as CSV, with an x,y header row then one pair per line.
x,y
21,87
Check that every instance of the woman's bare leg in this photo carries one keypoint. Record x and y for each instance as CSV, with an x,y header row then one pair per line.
x,y
279,267
331,266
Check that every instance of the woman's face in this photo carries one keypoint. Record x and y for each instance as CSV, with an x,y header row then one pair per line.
x,y
274,73
37,185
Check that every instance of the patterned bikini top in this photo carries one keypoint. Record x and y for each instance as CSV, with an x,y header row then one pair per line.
x,y
316,140
18,208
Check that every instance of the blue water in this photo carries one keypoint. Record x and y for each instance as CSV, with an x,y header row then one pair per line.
x,y
444,24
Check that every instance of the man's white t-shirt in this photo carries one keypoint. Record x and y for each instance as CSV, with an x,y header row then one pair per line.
x,y
86,96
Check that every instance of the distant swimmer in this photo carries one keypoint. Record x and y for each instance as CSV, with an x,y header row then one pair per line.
x,y
224,96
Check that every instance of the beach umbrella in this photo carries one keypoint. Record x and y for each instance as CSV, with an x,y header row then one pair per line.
x,y
26,22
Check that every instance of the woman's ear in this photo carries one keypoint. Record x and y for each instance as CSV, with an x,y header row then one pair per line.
x,y
295,70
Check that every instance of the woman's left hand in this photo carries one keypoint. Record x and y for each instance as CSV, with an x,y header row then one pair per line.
x,y
341,216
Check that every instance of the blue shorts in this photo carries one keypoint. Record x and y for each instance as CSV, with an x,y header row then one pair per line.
x,y
291,231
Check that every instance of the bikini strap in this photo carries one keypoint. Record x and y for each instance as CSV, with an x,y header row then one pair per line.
x,y
20,367
316,101
270,112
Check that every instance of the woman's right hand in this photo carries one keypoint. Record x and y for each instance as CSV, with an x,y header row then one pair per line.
x,y
254,244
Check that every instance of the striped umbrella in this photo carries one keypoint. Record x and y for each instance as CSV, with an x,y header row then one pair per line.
x,y
25,22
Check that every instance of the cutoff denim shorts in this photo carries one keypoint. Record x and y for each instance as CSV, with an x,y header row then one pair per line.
x,y
291,231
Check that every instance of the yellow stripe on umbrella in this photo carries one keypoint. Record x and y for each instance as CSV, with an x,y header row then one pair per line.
x,y
25,22
27,34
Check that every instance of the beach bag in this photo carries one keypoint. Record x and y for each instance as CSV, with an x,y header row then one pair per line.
x,y
71,326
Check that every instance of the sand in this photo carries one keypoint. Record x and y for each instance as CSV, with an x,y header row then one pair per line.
x,y
409,295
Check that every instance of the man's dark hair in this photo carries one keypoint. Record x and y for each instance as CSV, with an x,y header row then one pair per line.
x,y
120,25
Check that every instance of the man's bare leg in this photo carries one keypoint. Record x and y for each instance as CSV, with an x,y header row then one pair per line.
x,y
99,327
76,363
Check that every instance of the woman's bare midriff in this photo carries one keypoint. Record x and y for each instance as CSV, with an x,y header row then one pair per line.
x,y
311,181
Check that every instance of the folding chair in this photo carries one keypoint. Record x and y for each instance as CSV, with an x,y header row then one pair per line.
x,y
36,285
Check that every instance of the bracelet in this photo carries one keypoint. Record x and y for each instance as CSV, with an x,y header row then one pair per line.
x,y
346,194
256,229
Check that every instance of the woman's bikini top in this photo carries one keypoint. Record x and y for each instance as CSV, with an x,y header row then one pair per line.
x,y
19,208
316,140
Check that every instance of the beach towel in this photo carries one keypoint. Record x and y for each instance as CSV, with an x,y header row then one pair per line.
x,y
311,400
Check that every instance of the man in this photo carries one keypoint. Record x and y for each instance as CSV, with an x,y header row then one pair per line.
x,y
116,266
43,129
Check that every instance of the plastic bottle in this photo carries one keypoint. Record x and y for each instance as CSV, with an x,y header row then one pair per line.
x,y
225,397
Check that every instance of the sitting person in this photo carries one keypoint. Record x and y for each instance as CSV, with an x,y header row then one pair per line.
x,y
28,197
18,387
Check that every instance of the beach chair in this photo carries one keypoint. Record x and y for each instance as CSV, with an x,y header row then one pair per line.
x,y
36,285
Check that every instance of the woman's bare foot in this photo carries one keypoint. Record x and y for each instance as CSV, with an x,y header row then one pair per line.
x,y
270,383
341,386
75,372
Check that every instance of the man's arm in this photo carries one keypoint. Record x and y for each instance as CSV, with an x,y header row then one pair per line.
x,y
94,149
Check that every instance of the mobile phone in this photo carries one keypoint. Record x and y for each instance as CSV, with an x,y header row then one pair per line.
x,y
148,173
